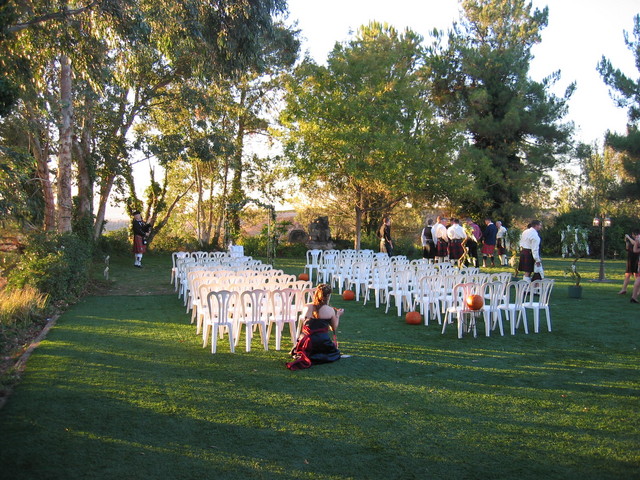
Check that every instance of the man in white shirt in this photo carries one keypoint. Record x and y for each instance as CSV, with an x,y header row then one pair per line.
x,y
439,233
530,249
501,245
456,236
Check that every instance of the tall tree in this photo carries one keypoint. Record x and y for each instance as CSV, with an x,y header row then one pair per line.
x,y
480,78
111,44
362,124
626,93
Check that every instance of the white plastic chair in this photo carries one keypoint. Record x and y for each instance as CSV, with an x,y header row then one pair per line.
x,y
513,305
493,293
427,295
217,318
460,309
254,308
400,290
379,283
342,273
283,311
328,266
358,278
303,298
174,268
541,289
313,262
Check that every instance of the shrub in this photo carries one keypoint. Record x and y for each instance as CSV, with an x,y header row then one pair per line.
x,y
21,306
115,241
291,250
57,265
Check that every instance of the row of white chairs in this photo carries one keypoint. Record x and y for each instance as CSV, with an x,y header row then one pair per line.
x,y
253,275
226,311
513,299
182,265
239,283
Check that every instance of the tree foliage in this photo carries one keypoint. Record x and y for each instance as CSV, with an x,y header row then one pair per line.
x,y
362,124
479,78
626,93
124,58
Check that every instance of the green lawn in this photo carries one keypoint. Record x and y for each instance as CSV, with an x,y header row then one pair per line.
x,y
122,388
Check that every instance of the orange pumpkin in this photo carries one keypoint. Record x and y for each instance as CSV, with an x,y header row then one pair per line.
x,y
413,318
475,302
349,295
304,277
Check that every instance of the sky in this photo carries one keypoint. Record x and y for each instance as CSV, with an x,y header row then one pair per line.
x,y
578,34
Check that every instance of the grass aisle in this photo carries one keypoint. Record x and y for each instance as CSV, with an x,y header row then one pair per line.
x,y
122,388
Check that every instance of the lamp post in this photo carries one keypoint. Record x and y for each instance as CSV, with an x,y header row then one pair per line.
x,y
602,222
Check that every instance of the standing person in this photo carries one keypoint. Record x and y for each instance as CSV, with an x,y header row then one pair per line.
x,y
632,260
428,245
315,344
386,245
501,245
472,241
140,233
441,239
530,249
456,236
489,245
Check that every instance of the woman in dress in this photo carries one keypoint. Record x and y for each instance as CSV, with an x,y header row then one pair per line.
x,y
316,343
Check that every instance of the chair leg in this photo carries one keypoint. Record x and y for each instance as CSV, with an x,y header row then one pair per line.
x,y
524,320
263,336
214,338
278,335
547,313
498,320
231,339
205,335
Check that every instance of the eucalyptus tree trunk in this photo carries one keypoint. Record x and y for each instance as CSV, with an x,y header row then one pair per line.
x,y
39,144
86,169
65,205
105,191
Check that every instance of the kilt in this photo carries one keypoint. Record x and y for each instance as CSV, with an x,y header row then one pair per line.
x,y
442,249
138,244
456,250
488,249
526,261
429,250
500,246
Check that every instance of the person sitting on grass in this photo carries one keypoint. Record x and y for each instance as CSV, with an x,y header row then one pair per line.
x,y
315,344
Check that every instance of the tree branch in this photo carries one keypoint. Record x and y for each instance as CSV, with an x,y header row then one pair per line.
x,y
60,15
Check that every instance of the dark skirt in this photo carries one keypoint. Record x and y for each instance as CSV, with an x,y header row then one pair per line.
x,y
429,250
138,244
500,246
526,261
456,249
442,249
315,345
632,262
488,249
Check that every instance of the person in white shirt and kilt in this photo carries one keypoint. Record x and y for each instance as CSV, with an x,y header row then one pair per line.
x,y
442,240
530,249
456,236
